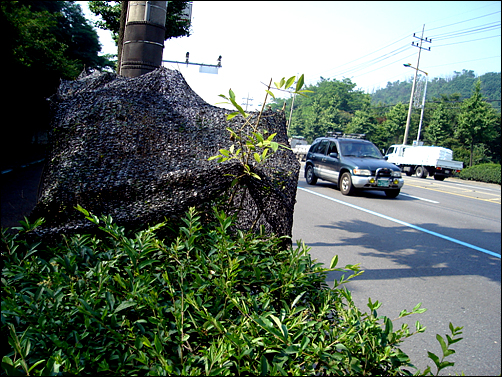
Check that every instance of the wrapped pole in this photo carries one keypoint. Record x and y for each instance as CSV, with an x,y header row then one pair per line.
x,y
143,37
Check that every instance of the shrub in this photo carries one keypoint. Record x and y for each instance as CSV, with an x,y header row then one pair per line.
x,y
210,302
489,173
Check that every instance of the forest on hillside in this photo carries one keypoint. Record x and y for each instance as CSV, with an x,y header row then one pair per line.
x,y
461,113
458,83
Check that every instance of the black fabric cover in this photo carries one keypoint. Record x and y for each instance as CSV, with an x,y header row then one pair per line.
x,y
137,149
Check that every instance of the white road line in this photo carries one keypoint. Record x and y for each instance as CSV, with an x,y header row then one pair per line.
x,y
416,197
404,223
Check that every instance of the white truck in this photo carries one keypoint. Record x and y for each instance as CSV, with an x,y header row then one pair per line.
x,y
299,146
424,160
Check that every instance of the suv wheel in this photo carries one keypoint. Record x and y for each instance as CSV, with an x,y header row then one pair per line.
x,y
346,184
310,175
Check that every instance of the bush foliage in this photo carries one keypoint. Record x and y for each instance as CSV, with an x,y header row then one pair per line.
x,y
211,301
489,173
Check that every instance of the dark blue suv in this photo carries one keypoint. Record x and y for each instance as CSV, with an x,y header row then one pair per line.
x,y
352,163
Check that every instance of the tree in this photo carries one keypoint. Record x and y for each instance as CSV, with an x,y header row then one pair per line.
x,y
113,17
109,11
46,41
395,123
477,121
439,129
330,107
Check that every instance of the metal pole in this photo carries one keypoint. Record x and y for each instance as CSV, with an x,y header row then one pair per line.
x,y
291,113
408,119
423,107
143,37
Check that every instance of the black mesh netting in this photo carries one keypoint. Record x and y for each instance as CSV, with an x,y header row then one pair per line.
x,y
137,149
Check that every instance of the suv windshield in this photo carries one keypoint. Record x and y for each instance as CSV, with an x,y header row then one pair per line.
x,y
358,149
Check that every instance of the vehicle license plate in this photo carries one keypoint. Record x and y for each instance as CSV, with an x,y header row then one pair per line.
x,y
383,183
447,171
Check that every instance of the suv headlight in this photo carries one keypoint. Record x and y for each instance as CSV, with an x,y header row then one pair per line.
x,y
396,174
358,171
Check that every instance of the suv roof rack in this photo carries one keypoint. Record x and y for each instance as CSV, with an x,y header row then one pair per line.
x,y
337,134
355,136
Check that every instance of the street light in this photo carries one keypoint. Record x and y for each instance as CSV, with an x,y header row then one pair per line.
x,y
408,119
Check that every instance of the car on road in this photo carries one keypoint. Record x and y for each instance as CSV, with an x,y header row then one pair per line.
x,y
352,163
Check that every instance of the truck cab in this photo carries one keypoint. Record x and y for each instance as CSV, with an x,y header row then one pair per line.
x,y
424,161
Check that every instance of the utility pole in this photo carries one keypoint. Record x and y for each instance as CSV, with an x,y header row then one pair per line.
x,y
420,48
143,37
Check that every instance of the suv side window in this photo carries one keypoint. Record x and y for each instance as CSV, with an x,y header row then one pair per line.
x,y
313,148
323,147
332,148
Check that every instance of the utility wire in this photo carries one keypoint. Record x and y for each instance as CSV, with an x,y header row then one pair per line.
x,y
464,32
460,22
447,35
472,40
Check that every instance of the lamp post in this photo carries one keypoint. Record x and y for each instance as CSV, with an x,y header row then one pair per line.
x,y
411,100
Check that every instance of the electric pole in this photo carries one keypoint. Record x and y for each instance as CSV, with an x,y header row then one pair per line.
x,y
420,48
143,41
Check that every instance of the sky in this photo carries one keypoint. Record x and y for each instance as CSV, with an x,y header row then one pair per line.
x,y
366,41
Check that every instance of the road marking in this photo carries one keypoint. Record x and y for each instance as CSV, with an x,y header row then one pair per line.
x,y
403,223
416,197
452,193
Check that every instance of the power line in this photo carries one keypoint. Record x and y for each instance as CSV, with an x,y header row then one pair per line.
x,y
460,22
472,40
464,32
465,61
382,58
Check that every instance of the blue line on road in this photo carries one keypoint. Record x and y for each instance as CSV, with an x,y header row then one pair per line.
x,y
403,223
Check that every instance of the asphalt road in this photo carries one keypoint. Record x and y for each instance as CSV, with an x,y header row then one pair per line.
x,y
437,243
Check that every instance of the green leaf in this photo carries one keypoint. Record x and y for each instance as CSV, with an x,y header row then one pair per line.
x,y
257,157
434,358
290,82
300,82
297,298
264,365
158,345
442,343
274,146
124,305
146,342
84,211
146,263
334,262
270,93
232,115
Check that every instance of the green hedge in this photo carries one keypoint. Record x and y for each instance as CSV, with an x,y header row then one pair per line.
x,y
209,302
489,173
